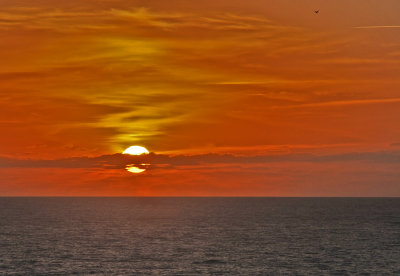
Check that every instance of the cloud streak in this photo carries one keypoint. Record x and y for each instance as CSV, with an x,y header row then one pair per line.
x,y
378,27
344,103
120,161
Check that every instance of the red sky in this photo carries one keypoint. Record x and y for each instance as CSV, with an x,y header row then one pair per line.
x,y
267,97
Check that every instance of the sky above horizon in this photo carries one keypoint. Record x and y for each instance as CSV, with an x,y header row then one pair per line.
x,y
233,98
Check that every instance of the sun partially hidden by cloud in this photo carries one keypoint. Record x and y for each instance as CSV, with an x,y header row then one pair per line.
x,y
136,150
88,79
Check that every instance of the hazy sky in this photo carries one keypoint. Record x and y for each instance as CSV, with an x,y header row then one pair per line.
x,y
267,97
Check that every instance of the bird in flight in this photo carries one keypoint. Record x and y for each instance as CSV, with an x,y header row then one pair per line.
x,y
316,12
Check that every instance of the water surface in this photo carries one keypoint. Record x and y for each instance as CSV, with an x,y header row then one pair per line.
x,y
186,236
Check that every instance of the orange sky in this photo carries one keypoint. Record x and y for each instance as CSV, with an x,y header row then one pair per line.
x,y
210,79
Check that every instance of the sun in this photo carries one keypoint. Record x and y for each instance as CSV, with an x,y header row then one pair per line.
x,y
136,150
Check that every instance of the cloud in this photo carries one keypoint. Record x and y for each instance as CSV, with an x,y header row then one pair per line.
x,y
378,27
106,76
68,20
347,102
120,161
360,61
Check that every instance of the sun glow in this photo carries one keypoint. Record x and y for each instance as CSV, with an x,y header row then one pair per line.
x,y
136,150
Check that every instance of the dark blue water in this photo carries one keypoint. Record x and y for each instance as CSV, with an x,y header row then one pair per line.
x,y
184,236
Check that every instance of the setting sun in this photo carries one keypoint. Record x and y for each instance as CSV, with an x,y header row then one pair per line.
x,y
136,150
272,129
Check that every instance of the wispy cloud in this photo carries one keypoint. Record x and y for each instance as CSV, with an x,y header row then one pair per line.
x,y
60,20
344,103
178,78
378,27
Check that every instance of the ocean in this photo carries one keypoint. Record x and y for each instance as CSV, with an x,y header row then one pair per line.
x,y
199,236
